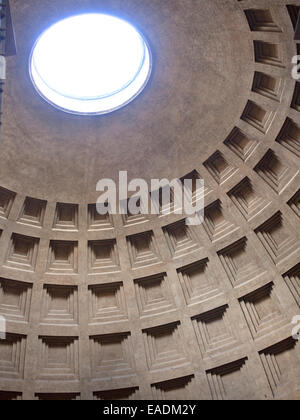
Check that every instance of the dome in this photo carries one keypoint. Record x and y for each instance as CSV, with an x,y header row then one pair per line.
x,y
147,306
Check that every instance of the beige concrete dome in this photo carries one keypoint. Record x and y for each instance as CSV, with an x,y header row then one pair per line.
x,y
146,307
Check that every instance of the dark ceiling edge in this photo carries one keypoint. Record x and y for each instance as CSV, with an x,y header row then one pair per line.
x,y
10,44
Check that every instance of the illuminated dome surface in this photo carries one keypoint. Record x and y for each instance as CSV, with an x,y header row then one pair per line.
x,y
143,307
90,64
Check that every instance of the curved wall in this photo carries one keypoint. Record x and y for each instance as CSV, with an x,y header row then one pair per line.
x,y
147,308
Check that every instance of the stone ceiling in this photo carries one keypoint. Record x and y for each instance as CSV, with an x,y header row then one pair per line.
x,y
203,70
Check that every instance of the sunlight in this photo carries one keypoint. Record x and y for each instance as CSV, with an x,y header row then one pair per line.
x,y
90,64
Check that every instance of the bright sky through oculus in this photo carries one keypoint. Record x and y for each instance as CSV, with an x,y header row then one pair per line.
x,y
90,64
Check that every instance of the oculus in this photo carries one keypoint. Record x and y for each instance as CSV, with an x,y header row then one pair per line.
x,y
90,64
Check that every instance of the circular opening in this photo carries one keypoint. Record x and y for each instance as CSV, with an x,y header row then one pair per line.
x,y
90,64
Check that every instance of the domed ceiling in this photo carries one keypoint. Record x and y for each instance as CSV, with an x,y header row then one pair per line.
x,y
145,306
203,70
